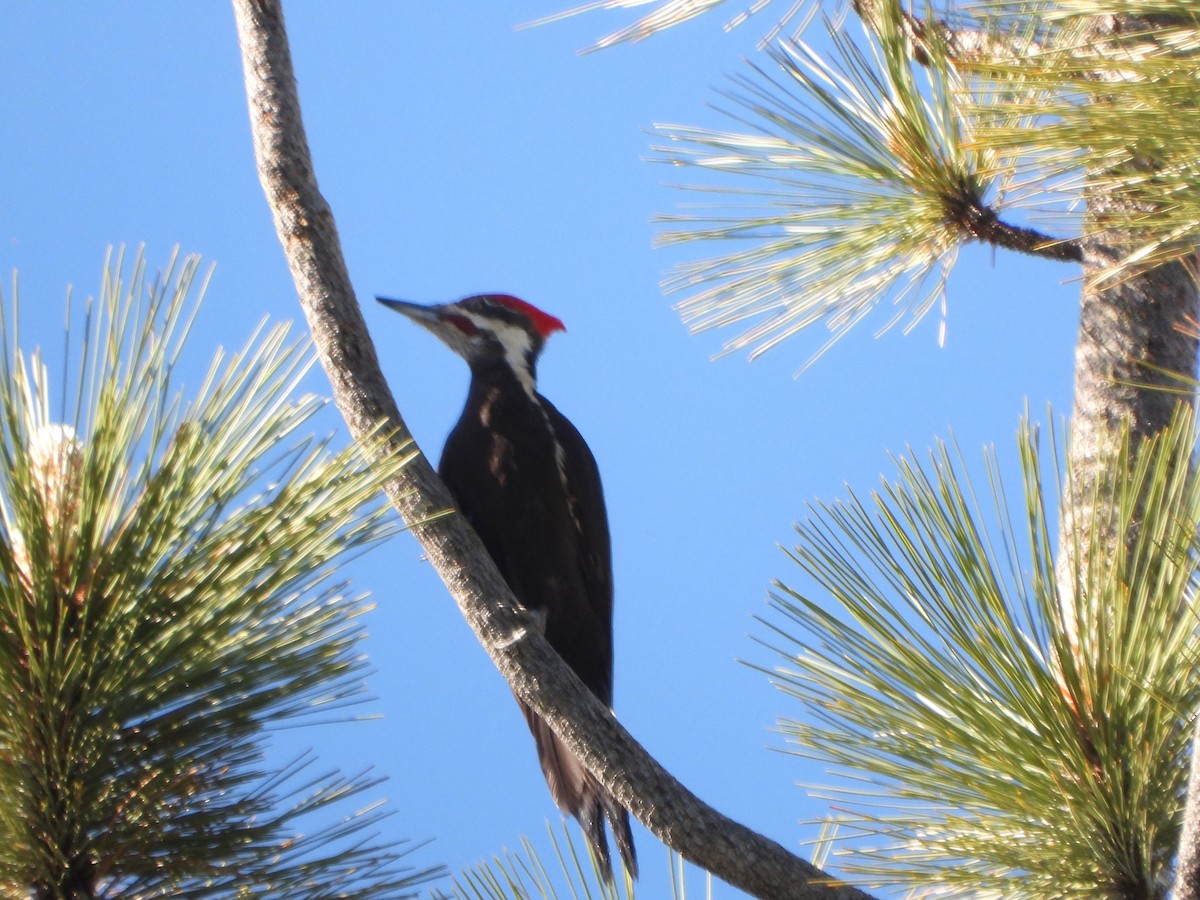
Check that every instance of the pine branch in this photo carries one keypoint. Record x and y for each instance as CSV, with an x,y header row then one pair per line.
x,y
982,222
164,601
535,672
940,676
961,45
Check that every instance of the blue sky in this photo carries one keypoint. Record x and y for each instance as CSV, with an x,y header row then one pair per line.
x,y
461,155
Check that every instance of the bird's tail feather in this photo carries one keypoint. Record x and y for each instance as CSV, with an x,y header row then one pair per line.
x,y
576,792
618,821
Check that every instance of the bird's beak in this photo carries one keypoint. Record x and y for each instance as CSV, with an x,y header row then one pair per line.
x,y
422,315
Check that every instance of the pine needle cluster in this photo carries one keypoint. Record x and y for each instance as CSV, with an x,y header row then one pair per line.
x,y
166,595
860,172
990,747
853,173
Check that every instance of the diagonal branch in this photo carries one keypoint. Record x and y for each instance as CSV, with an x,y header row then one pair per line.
x,y
535,672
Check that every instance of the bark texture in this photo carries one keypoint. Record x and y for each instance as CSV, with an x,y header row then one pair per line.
x,y
536,674
1135,334
1187,866
1129,348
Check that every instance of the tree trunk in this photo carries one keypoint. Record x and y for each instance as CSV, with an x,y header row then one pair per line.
x,y
1130,347
1187,866
1136,334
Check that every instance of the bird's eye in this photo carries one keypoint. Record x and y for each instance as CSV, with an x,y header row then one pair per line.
x,y
463,324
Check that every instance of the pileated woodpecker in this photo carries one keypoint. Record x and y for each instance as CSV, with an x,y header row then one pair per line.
x,y
529,485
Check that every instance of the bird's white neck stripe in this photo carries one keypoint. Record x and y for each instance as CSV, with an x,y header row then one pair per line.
x,y
560,459
515,341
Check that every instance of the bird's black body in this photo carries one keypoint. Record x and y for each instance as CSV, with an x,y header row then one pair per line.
x,y
540,513
527,482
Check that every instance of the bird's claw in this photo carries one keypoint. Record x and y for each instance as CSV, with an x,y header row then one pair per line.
x,y
536,621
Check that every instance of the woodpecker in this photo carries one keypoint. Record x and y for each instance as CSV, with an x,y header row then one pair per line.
x,y
528,484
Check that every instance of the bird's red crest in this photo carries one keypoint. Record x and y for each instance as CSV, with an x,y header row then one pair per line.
x,y
545,323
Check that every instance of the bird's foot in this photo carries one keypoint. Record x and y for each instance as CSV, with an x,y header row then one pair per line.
x,y
536,621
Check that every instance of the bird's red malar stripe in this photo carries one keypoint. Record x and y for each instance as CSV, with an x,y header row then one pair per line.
x,y
545,323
